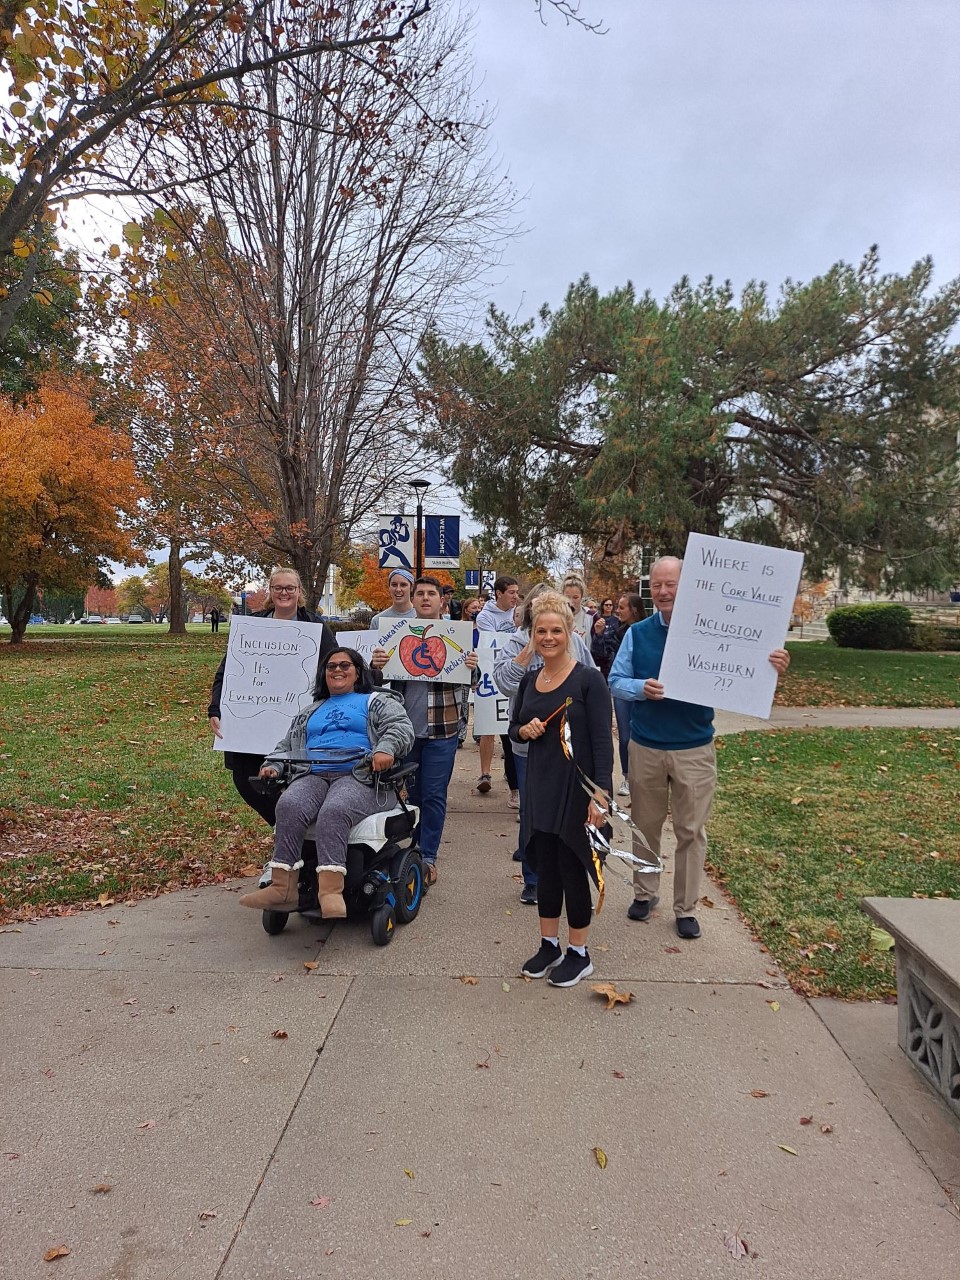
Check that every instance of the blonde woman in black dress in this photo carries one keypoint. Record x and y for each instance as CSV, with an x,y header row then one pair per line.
x,y
556,807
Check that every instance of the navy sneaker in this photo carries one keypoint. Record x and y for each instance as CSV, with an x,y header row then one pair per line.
x,y
688,927
640,908
528,895
547,958
574,967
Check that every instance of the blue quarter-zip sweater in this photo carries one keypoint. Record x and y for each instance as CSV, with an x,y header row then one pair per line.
x,y
665,725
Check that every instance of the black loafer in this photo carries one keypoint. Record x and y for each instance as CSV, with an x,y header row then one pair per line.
x,y
688,927
640,908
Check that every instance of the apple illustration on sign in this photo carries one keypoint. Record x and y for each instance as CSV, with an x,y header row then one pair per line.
x,y
423,655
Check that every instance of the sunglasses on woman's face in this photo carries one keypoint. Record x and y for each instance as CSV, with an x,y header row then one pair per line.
x,y
339,666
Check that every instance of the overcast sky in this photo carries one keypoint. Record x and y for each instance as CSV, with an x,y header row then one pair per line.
x,y
743,138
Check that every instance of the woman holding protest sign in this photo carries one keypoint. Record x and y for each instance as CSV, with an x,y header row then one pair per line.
x,y
287,602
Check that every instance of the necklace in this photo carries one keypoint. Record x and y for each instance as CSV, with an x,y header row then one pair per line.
x,y
548,679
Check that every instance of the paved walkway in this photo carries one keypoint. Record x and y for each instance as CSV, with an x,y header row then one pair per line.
x,y
407,1121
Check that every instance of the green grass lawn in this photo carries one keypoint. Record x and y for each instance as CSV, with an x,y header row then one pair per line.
x,y
808,822
822,675
107,780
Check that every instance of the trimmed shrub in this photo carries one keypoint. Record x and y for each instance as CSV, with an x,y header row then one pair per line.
x,y
871,626
931,637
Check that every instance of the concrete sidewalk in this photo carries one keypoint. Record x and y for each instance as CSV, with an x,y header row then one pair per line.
x,y
409,1121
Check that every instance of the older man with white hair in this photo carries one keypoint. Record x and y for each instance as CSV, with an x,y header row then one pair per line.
x,y
672,756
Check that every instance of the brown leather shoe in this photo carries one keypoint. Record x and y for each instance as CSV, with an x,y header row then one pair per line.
x,y
429,874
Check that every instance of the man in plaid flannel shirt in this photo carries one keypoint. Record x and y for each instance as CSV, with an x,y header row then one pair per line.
x,y
435,708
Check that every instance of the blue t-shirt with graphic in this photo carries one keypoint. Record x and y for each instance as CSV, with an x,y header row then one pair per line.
x,y
337,733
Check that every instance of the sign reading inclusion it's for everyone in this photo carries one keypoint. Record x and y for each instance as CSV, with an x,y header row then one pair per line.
x,y
732,610
270,673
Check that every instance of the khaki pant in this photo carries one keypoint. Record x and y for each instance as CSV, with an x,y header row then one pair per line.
x,y
688,779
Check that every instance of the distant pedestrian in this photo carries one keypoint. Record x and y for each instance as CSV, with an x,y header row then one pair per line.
x,y
214,620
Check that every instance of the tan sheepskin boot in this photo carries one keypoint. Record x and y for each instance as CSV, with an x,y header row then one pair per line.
x,y
330,893
281,894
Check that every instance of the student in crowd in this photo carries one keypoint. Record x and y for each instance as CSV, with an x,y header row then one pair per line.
x,y
630,609
400,586
435,708
556,808
672,755
574,588
452,607
286,602
519,657
604,630
349,719
497,615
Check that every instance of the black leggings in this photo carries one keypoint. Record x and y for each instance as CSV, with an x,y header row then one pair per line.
x,y
509,768
561,875
244,767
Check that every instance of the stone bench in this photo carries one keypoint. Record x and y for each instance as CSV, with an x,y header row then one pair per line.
x,y
927,934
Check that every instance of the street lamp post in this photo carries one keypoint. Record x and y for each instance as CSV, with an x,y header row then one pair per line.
x,y
420,487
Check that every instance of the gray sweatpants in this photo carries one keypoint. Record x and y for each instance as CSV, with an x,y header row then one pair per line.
x,y
339,800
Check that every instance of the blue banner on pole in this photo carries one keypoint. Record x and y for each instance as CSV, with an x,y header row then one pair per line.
x,y
441,539
472,579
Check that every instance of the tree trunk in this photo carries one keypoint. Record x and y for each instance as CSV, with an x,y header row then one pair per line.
x,y
20,613
178,623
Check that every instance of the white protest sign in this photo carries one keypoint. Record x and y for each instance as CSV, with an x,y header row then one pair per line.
x,y
491,709
270,673
427,649
732,610
363,641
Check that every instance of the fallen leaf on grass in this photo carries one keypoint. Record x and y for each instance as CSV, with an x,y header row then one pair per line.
x,y
612,995
58,1251
880,940
759,1093
735,1245
468,981
148,1124
251,869
320,1202
789,1150
101,1189
104,900
279,1035
600,1156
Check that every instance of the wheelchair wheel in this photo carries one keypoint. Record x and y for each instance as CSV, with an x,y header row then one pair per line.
x,y
382,924
409,887
274,921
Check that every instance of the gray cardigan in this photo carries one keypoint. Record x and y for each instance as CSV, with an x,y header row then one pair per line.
x,y
508,673
388,728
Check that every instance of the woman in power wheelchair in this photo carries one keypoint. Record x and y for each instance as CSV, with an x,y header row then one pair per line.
x,y
330,763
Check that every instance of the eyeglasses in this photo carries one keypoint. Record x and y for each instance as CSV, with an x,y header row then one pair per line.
x,y
339,666
282,591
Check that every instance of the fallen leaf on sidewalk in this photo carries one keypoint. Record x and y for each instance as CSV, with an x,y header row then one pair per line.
x,y
484,1065
279,1035
672,951
806,1119
310,965
104,900
759,1093
206,1215
58,1251
600,1156
403,1222
774,1005
101,1189
735,1245
826,1128
427,1234
707,902
409,1173
611,994
467,980
618,1075
148,1124
320,1202
505,986
789,1150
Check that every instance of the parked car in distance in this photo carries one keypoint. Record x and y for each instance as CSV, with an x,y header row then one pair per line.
x,y
92,620
135,617
114,622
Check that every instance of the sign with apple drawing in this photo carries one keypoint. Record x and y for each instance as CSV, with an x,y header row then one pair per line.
x,y
422,649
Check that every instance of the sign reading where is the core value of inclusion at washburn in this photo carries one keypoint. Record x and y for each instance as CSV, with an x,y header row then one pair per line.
x,y
422,649
269,676
732,610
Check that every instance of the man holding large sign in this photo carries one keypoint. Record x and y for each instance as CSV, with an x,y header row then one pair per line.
x,y
672,755
429,666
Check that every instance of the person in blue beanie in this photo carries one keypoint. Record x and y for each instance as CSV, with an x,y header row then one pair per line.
x,y
672,755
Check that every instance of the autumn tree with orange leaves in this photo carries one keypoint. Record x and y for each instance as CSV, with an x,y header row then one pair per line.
x,y
67,491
